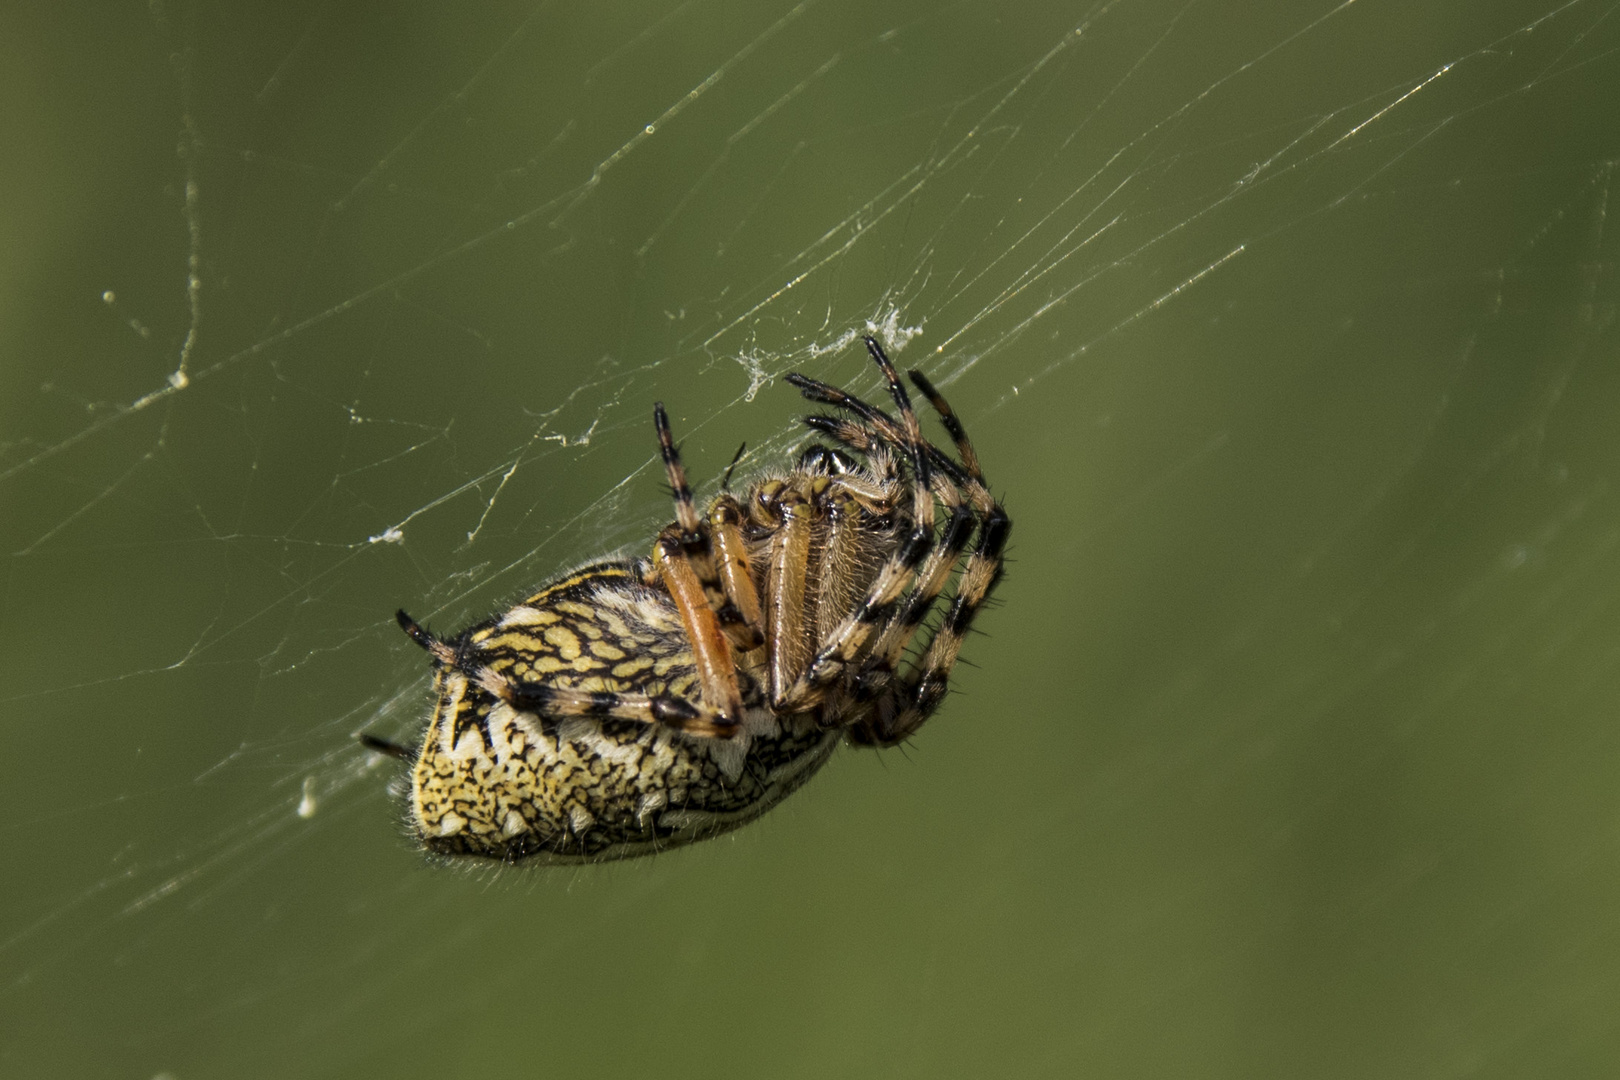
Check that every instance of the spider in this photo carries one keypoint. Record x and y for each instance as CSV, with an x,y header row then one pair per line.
x,y
640,704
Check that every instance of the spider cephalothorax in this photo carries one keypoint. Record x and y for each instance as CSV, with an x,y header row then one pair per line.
x,y
640,704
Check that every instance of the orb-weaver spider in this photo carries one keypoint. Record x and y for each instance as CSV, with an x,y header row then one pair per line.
x,y
639,704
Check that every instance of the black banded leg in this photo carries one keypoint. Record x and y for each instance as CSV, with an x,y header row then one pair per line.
x,y
956,482
902,400
684,562
689,525
916,696
876,427
385,746
878,671
953,426
686,514
557,702
846,642
828,394
441,651
931,579
978,491
910,701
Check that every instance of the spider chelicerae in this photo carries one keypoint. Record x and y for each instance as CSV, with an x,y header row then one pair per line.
x,y
639,704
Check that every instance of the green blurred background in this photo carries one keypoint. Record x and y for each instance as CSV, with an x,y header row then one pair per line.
x,y
1287,330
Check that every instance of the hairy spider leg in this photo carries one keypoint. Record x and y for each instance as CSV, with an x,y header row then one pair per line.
x,y
877,671
686,515
440,651
879,429
681,558
932,577
839,584
743,624
919,693
873,436
786,574
902,401
443,653
386,746
721,585
846,641
905,704
896,635
952,425
844,494
558,701
725,478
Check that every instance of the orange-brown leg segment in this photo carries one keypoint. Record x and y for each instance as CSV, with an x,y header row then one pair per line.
x,y
839,579
683,561
788,646
690,528
742,622
717,672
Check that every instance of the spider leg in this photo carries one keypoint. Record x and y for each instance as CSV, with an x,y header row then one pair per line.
x,y
975,486
725,480
711,651
682,561
847,640
915,697
686,514
723,589
897,635
441,651
839,583
950,482
384,746
557,701
786,571
741,616
947,417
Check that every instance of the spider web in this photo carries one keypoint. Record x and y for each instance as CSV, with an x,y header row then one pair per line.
x,y
1287,329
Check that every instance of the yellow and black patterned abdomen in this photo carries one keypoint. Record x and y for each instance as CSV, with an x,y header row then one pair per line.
x,y
494,780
